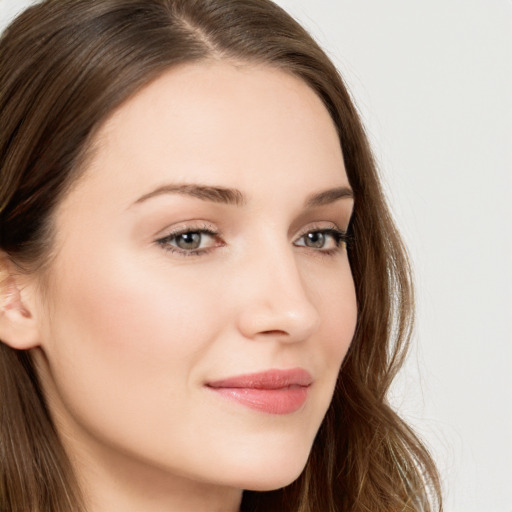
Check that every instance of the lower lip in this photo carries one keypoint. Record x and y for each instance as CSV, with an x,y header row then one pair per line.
x,y
272,401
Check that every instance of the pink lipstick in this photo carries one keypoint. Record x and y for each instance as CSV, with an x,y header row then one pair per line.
x,y
272,391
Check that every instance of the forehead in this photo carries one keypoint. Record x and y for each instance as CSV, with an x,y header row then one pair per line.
x,y
219,123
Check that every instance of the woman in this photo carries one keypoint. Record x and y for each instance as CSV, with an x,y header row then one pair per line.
x,y
204,298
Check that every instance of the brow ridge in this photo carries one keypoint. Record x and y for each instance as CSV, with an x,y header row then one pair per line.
x,y
233,196
329,196
205,192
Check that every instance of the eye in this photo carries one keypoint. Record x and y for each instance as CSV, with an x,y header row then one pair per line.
x,y
190,241
325,240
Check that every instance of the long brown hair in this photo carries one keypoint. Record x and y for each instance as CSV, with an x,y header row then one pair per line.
x,y
65,65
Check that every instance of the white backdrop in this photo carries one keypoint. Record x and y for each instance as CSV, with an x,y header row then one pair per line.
x,y
433,81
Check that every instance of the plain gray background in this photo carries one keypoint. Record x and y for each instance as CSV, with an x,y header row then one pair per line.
x,y
433,82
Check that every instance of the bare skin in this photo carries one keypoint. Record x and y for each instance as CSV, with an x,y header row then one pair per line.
x,y
159,288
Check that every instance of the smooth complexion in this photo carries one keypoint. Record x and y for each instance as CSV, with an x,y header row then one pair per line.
x,y
201,245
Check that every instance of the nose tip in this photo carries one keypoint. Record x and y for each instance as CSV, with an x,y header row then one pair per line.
x,y
295,323
279,307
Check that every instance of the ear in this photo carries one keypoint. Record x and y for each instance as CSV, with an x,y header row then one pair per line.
x,y
18,327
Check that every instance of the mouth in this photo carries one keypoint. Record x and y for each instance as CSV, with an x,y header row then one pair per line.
x,y
271,391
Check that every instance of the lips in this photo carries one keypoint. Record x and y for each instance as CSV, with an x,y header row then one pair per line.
x,y
272,391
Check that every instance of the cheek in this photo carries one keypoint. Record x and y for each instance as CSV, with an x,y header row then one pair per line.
x,y
339,320
337,304
335,301
123,342
126,302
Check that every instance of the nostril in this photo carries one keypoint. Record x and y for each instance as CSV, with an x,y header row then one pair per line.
x,y
275,332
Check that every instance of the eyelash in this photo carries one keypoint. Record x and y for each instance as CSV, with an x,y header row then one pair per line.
x,y
341,238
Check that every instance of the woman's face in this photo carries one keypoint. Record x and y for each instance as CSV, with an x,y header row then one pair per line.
x,y
204,244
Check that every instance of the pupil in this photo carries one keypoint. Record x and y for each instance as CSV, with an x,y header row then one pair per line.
x,y
316,240
189,241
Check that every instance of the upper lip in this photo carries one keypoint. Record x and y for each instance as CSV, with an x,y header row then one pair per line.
x,y
269,379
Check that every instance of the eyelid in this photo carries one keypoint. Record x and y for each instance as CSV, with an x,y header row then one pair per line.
x,y
187,226
319,226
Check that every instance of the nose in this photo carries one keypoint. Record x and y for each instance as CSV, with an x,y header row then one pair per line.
x,y
275,301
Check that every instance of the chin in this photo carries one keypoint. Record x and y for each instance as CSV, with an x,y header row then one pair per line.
x,y
278,471
272,482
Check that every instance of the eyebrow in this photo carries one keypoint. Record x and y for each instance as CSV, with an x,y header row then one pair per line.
x,y
233,196
329,196
204,192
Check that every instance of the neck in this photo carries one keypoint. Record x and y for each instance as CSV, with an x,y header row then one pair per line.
x,y
113,481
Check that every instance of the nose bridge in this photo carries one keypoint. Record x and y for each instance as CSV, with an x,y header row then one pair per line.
x,y
276,300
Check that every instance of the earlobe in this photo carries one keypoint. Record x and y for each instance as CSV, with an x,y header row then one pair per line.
x,y
18,327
